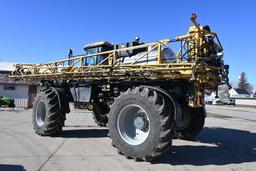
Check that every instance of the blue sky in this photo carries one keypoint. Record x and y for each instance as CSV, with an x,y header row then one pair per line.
x,y
42,30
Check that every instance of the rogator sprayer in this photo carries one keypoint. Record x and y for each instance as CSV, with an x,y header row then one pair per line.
x,y
145,93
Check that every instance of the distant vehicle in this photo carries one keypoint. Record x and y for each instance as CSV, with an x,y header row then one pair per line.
x,y
226,101
217,102
208,102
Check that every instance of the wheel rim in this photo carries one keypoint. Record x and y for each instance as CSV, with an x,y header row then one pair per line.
x,y
40,113
133,124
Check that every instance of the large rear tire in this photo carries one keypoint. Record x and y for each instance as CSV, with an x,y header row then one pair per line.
x,y
47,118
100,111
140,124
196,123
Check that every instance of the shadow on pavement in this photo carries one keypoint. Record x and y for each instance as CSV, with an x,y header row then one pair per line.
x,y
84,133
216,146
8,167
224,146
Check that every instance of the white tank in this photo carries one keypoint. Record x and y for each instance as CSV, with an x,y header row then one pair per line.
x,y
151,58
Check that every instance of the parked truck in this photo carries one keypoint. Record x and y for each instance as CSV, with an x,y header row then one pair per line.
x,y
145,93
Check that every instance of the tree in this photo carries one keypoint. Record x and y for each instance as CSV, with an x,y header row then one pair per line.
x,y
243,83
249,88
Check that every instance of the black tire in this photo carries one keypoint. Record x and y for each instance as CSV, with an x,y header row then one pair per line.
x,y
196,124
64,103
160,119
46,117
100,111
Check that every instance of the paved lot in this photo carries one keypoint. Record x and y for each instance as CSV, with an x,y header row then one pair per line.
x,y
245,113
225,144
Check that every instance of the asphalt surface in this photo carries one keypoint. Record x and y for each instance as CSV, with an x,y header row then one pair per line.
x,y
225,143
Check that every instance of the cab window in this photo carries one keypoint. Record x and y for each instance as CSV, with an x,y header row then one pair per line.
x,y
93,59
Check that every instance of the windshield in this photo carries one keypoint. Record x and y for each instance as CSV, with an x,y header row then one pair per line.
x,y
91,60
91,50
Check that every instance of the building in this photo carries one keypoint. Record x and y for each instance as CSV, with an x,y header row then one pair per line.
x,y
235,95
223,92
239,93
22,92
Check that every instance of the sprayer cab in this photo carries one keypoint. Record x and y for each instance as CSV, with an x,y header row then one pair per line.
x,y
95,48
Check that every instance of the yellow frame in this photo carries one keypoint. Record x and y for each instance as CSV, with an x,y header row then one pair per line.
x,y
202,74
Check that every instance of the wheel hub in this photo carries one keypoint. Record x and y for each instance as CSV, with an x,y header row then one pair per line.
x,y
141,123
133,124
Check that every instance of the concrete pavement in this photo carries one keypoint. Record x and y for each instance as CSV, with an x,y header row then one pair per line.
x,y
224,144
245,113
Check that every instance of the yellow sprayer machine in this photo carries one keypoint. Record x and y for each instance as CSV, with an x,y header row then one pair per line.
x,y
145,93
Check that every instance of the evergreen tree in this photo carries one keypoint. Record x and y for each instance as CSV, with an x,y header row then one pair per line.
x,y
243,83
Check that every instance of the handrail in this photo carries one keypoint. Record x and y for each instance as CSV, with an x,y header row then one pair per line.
x,y
165,41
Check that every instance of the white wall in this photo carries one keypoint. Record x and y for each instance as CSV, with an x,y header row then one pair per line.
x,y
248,102
20,94
21,91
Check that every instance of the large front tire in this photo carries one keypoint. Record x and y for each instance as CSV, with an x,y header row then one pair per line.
x,y
140,124
46,116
